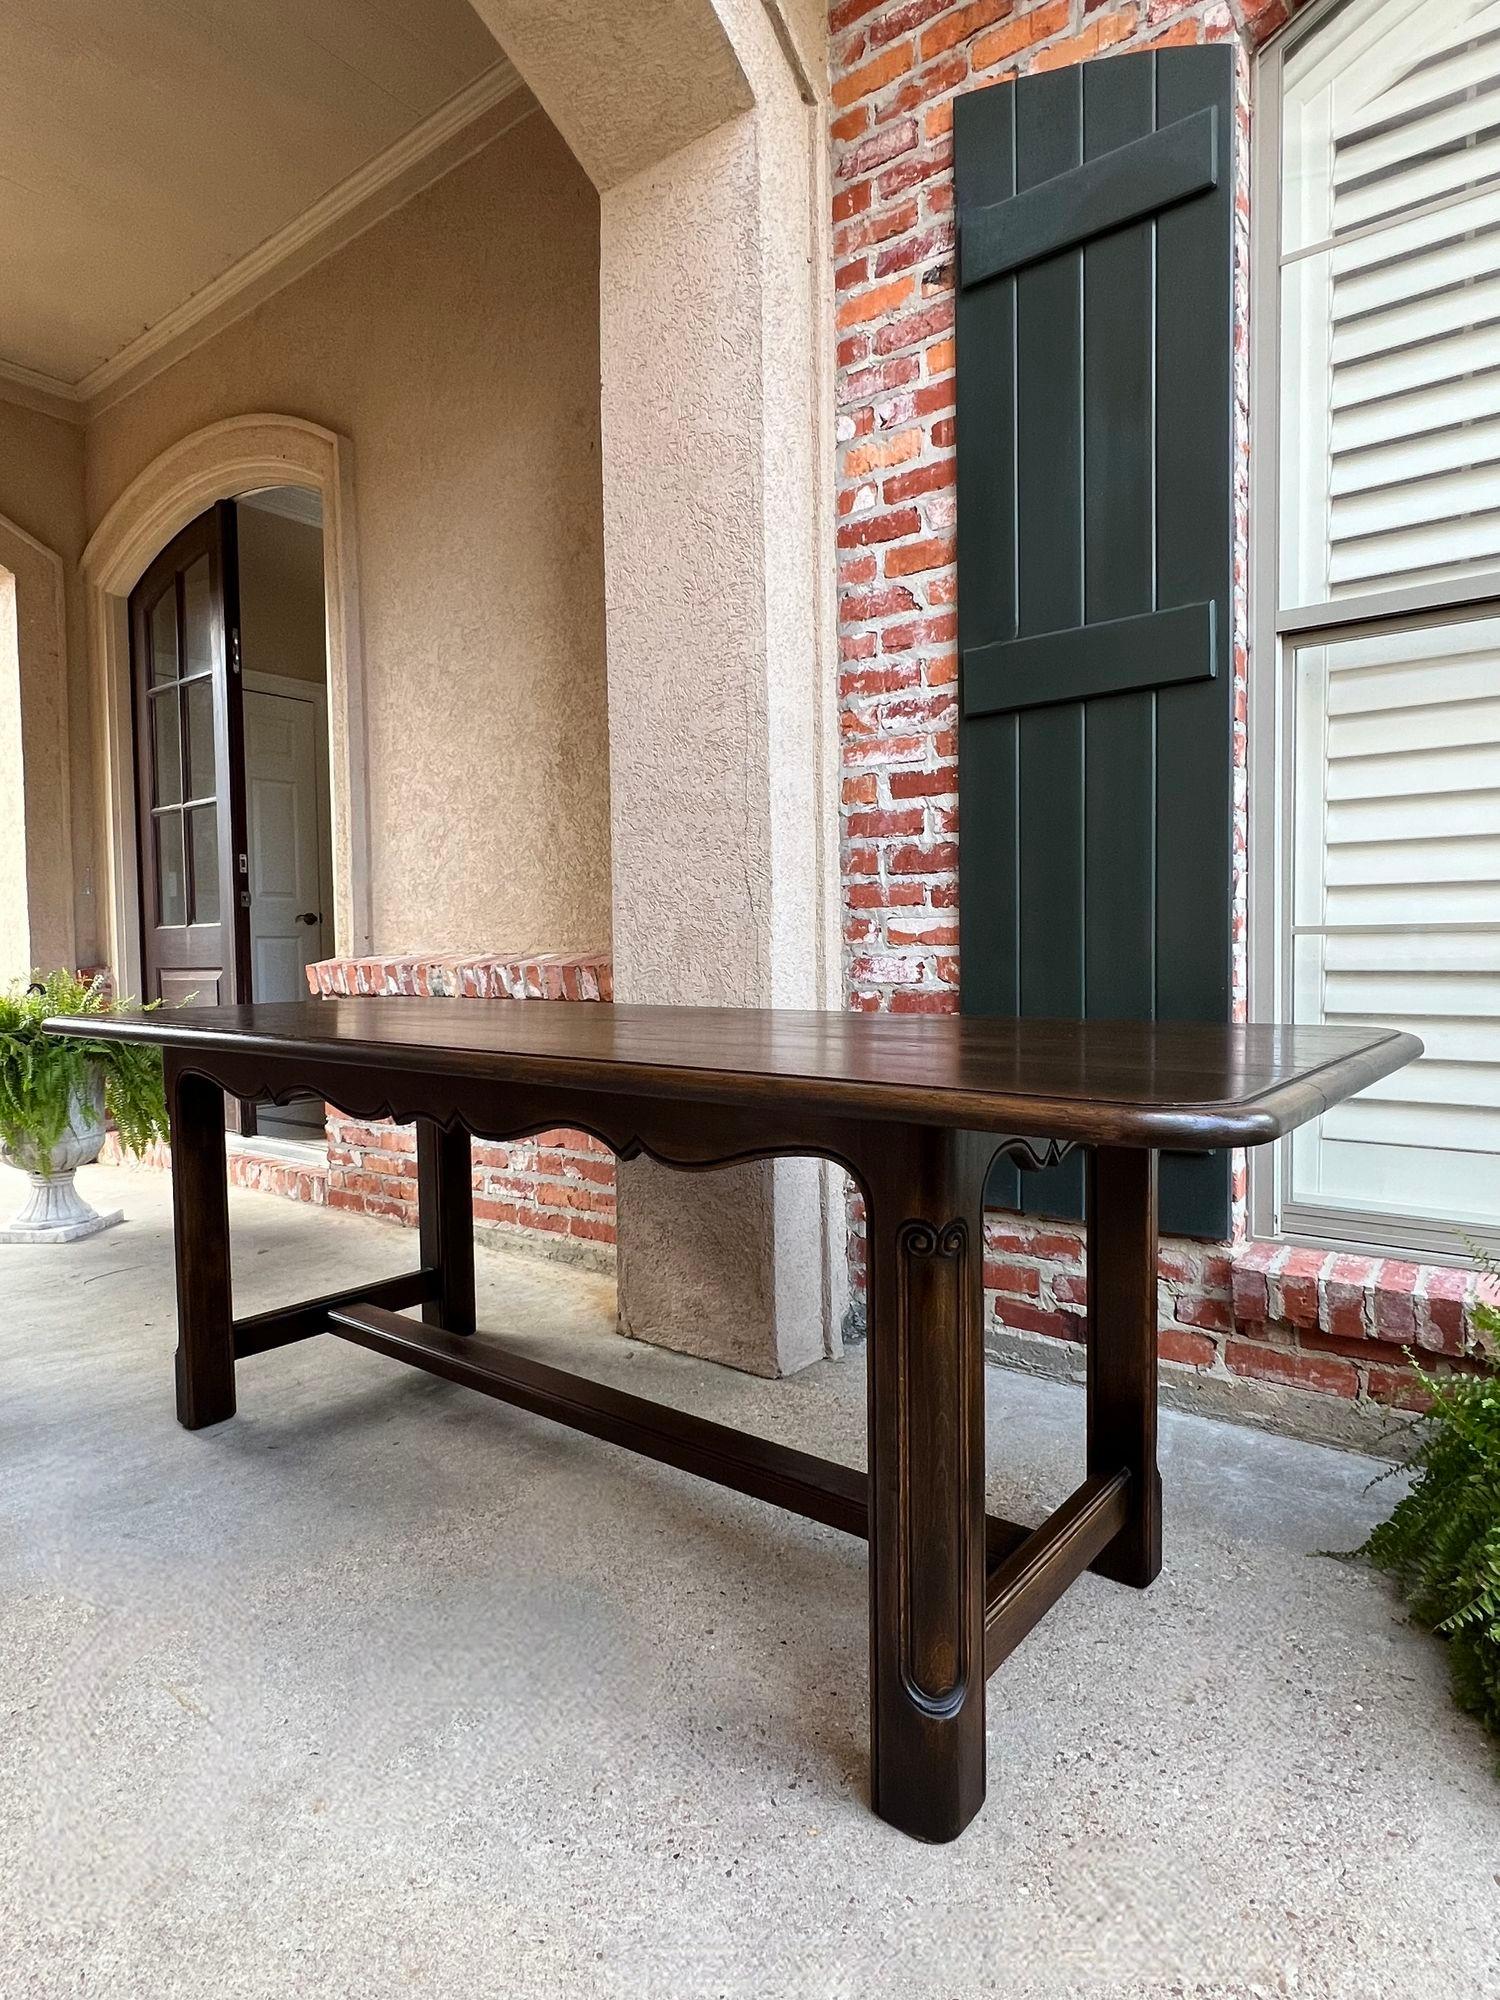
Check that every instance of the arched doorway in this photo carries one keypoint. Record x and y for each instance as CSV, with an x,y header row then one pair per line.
x,y
228,661
229,462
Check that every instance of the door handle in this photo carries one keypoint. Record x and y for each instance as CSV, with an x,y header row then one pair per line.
x,y
308,917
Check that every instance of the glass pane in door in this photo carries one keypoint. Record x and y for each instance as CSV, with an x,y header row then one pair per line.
x,y
164,636
171,875
166,747
205,842
197,618
199,700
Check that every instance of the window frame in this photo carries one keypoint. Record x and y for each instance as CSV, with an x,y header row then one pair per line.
x,y
1275,633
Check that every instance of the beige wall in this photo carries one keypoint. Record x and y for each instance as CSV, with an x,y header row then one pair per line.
x,y
15,937
41,477
281,596
456,344
42,493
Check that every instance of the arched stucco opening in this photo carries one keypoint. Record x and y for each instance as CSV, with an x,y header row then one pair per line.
x,y
36,851
219,463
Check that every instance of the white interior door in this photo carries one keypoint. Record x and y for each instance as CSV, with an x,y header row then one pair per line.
x,y
286,828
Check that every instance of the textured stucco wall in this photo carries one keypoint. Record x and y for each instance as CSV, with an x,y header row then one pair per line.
x,y
36,917
719,681
686,578
41,478
701,123
15,944
281,596
456,344
41,493
802,26
710,370
627,86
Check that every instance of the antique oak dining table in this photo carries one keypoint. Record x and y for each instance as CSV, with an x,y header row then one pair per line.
x,y
916,1108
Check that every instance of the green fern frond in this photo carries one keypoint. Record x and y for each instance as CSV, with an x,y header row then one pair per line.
x,y
39,1073
1442,1544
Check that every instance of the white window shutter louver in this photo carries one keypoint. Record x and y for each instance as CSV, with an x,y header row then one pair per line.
x,y
1392,318
1396,908
1390,478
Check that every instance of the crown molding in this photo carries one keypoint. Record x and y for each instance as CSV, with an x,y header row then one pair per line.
x,y
34,391
458,129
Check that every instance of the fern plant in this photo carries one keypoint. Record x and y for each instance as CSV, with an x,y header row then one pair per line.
x,y
1442,1544
40,1073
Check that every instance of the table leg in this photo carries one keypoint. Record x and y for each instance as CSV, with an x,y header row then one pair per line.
x,y
445,1201
200,1228
927,1534
1122,1351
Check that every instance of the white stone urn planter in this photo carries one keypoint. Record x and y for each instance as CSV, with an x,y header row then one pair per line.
x,y
54,1211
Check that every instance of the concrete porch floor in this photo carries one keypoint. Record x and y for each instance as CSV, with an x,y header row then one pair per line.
x,y
384,1688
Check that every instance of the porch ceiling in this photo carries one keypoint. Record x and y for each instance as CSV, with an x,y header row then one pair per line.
x,y
146,148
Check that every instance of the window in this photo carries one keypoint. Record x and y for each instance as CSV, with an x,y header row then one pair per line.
x,y
1375,877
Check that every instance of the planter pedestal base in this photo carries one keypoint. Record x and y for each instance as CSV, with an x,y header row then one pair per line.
x,y
55,1212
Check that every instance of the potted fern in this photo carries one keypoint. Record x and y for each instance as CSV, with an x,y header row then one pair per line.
x,y
55,1097
1442,1544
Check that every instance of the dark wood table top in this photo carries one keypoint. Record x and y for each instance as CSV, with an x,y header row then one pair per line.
x,y
1112,1082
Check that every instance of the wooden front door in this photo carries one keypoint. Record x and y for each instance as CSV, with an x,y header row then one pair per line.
x,y
184,638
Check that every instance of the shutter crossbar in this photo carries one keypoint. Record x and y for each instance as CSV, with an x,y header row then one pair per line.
x,y
1121,186
1117,656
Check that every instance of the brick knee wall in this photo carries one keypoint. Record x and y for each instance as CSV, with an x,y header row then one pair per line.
x,y
1257,1313
1250,1328
555,1191
294,1180
559,1186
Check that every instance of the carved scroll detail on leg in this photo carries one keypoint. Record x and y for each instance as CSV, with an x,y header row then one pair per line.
x,y
927,1527
933,1522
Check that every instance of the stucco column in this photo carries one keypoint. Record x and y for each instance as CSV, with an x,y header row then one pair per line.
x,y
36,853
699,122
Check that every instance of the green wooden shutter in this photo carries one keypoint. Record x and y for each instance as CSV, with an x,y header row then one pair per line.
x,y
1095,554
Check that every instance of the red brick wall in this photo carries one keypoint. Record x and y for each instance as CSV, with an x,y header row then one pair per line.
x,y
1299,1319
1262,1313
897,65
556,1189
293,1180
560,1185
